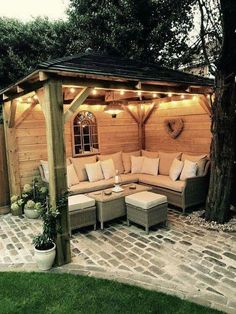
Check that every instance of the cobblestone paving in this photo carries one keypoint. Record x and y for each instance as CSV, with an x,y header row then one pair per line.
x,y
180,259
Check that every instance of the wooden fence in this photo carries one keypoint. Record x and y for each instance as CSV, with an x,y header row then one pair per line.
x,y
4,186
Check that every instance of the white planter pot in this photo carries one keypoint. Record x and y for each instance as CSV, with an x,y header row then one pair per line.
x,y
45,258
31,213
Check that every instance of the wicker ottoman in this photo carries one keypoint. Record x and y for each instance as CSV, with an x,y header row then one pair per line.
x,y
146,209
82,211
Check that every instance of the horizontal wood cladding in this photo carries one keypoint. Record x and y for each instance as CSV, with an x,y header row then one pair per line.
x,y
115,134
195,137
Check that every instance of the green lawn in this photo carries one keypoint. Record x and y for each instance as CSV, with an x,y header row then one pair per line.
x,y
62,293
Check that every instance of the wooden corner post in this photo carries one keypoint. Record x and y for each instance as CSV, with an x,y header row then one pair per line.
x,y
53,110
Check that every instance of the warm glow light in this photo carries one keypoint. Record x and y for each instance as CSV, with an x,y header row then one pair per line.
x,y
94,91
182,96
170,95
122,92
72,90
208,96
154,95
139,93
29,99
35,97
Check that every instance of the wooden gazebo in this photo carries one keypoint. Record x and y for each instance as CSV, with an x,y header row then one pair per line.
x,y
39,108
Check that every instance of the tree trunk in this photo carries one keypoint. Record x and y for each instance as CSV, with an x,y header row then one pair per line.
x,y
223,122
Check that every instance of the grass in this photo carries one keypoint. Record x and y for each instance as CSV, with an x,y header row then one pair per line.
x,y
63,293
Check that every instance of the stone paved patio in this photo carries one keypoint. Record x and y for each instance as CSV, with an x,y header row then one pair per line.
x,y
181,259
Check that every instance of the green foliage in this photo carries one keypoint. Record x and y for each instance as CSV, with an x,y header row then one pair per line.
x,y
144,29
24,45
26,293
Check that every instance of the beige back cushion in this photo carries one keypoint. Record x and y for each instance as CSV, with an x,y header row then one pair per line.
x,y
126,157
117,160
175,169
199,159
165,162
150,166
149,154
94,171
79,165
108,168
72,178
189,170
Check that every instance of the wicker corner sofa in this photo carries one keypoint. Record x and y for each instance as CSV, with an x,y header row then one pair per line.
x,y
190,192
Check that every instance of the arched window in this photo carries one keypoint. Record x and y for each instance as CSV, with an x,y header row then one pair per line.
x,y
85,135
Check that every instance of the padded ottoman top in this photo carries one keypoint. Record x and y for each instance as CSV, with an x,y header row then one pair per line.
x,y
145,199
80,201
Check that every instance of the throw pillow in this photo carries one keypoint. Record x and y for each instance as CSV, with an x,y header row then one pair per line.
x,y
94,171
147,153
175,169
117,159
201,161
189,170
44,165
72,178
136,164
126,157
108,168
79,164
150,166
166,160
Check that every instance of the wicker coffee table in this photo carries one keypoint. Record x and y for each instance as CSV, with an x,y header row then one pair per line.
x,y
113,206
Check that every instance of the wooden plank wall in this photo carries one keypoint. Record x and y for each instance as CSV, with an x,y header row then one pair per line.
x,y
196,136
4,187
115,135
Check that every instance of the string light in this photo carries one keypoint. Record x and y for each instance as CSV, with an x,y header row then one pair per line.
x,y
72,90
94,91
170,95
139,93
122,92
29,99
35,97
182,96
154,95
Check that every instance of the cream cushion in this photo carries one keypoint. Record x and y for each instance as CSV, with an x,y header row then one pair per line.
x,y
147,153
136,164
44,165
79,165
175,169
108,168
162,182
150,166
126,157
72,177
117,159
189,170
199,159
145,199
165,162
94,171
80,201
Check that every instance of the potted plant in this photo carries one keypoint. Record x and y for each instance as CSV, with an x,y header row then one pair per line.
x,y
32,209
16,205
44,243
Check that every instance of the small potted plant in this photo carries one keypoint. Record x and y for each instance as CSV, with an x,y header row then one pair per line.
x,y
16,205
32,209
44,243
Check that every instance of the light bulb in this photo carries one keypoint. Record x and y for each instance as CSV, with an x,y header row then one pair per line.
x,y
72,90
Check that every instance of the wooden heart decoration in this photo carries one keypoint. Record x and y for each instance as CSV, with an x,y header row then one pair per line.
x,y
174,127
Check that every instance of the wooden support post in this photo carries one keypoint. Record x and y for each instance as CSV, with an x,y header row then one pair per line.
x,y
79,99
12,114
203,101
53,111
12,152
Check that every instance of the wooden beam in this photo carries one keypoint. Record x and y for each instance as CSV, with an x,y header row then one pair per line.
x,y
149,113
12,114
133,114
205,104
53,111
79,100
25,114
114,96
43,76
12,153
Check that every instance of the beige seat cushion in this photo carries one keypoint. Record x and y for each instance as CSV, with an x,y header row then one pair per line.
x,y
150,166
94,171
72,178
79,164
163,182
117,159
147,153
166,160
145,199
80,201
86,186
108,168
199,159
175,169
126,157
189,170
129,178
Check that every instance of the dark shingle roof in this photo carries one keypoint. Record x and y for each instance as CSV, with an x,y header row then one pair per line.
x,y
96,64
